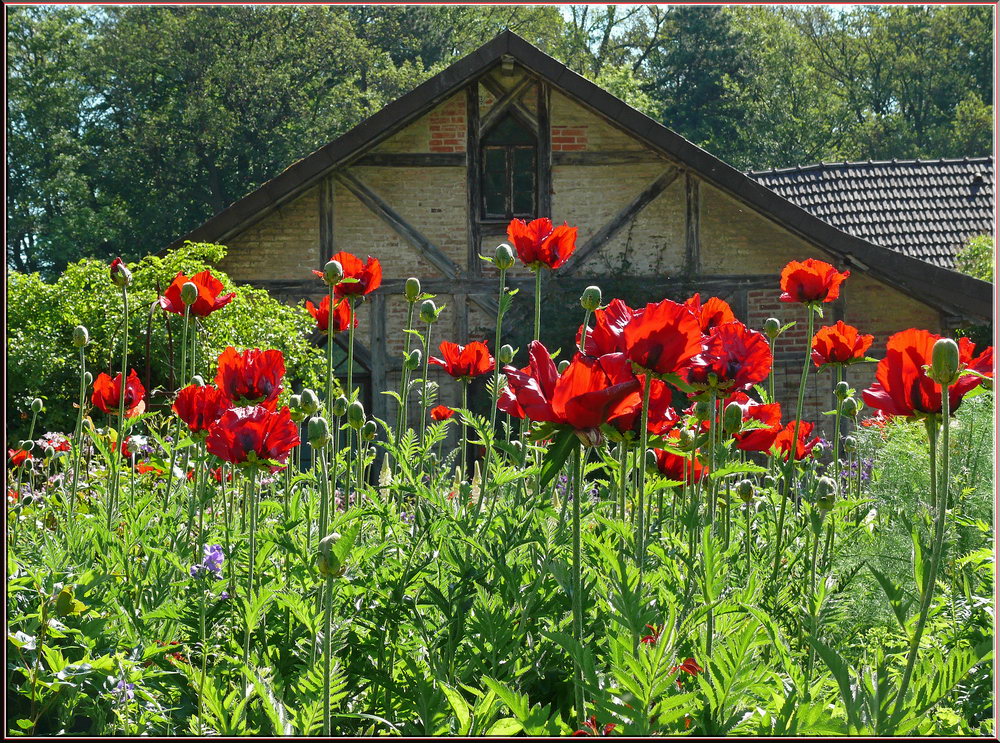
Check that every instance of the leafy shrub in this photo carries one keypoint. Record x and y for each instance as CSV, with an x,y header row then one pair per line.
x,y
42,362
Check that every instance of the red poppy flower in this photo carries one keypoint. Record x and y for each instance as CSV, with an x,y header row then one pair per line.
x,y
200,406
17,457
441,413
879,420
902,387
539,244
107,391
341,315
663,338
714,312
662,417
803,448
145,467
367,276
464,362
57,441
607,335
245,435
811,281
839,344
216,475
678,468
590,727
758,439
528,393
210,296
654,635
592,391
737,356
252,377
688,666
120,275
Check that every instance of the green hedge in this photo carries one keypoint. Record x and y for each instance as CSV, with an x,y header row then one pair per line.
x,y
42,362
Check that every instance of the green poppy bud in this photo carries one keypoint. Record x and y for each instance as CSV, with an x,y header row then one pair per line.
x,y
295,409
944,362
368,431
819,450
772,327
732,418
88,378
826,493
356,415
506,354
411,289
37,406
503,257
318,432
651,461
414,359
189,293
295,401
428,311
590,300
842,390
849,407
327,562
80,336
340,406
703,411
49,452
120,275
768,481
333,272
562,365
198,381
132,447
850,444
27,500
310,402
688,440
744,489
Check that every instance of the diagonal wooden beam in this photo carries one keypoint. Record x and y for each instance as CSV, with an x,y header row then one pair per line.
x,y
499,93
403,228
622,218
508,100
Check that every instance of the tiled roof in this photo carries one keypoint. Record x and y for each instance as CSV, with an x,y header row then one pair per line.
x,y
925,209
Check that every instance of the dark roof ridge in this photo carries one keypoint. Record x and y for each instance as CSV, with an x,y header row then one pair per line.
x,y
866,163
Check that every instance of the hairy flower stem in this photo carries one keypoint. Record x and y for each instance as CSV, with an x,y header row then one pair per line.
x,y
204,661
713,430
622,479
790,464
749,508
177,423
423,388
327,659
465,436
251,497
538,303
640,532
484,488
577,581
193,502
405,376
116,455
78,446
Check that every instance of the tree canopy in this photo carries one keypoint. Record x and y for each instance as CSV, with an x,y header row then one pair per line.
x,y
128,126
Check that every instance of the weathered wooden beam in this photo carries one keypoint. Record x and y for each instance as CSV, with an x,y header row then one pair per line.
x,y
378,356
325,221
543,178
692,224
622,218
609,157
473,179
509,99
498,93
403,228
412,160
741,305
461,301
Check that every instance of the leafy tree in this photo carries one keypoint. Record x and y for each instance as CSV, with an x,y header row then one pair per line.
x,y
976,258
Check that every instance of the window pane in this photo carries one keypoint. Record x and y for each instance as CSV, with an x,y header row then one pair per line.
x,y
509,131
494,181
524,180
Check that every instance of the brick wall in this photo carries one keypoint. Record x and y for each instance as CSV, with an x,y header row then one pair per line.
x,y
284,245
446,125
569,138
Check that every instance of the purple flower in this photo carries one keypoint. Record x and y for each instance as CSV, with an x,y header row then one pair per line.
x,y
224,596
125,691
211,563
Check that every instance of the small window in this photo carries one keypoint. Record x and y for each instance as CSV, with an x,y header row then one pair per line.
x,y
509,171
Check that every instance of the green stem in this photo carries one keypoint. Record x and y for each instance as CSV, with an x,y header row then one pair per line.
x,y
177,423
465,436
640,532
423,387
78,444
405,376
484,486
622,478
252,563
116,455
204,663
836,430
327,659
538,302
577,581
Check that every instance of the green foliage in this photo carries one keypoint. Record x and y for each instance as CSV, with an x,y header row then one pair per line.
x,y
976,258
42,362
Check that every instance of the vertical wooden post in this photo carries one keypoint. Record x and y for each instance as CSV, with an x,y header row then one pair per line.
x,y
325,220
544,164
472,175
741,306
378,355
692,224
462,317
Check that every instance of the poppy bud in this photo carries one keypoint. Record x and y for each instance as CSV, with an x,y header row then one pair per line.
x,y
88,378
944,362
131,446
295,401
333,272
506,353
355,415
310,403
295,411
340,406
826,492
189,293
842,390
27,500
562,365
703,411
411,289
732,418
590,437
503,257
819,450
49,452
37,406
413,360
850,444
120,275
849,407
26,445
198,381
767,481
772,327
327,562
428,311
368,431
318,432
591,298
744,489
80,336
688,440
651,465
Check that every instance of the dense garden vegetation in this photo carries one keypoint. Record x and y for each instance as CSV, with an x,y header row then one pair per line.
x,y
634,539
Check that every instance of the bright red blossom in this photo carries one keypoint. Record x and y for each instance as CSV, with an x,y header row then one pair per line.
x,y
107,392
210,296
17,457
661,416
464,362
246,435
145,467
201,406
367,275
811,281
839,344
251,377
689,666
737,356
663,338
607,335
803,448
758,439
902,387
714,312
539,244
441,413
653,636
590,727
341,315
678,468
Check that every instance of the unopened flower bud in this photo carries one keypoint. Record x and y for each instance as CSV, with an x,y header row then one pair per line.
x,y
428,311
768,481
687,439
826,492
294,401
340,406
842,390
356,415
562,365
37,406
27,500
333,272
590,437
732,418
88,378
411,289
189,293
295,411
703,411
80,336
49,452
650,460
503,256
198,381
772,327
318,432
944,362
120,275
310,402
131,446
850,444
368,431
413,360
590,300
849,407
327,562
744,489
506,354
